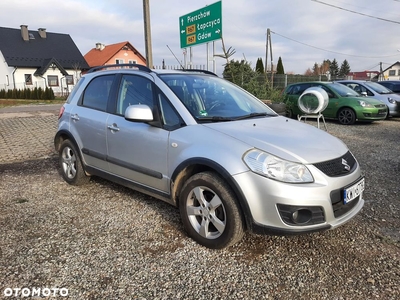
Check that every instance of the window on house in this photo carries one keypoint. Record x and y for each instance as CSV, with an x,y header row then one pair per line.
x,y
52,80
133,62
398,72
392,72
69,79
28,79
119,61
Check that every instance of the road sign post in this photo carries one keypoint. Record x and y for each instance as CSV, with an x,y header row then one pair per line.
x,y
201,26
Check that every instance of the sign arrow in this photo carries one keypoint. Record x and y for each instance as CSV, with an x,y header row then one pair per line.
x,y
183,31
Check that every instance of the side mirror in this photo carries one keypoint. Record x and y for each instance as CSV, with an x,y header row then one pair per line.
x,y
139,112
364,94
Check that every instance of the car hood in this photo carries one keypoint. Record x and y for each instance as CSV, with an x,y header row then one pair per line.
x,y
377,98
394,96
286,138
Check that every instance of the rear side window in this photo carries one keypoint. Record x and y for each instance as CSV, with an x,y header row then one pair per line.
x,y
298,89
97,92
75,89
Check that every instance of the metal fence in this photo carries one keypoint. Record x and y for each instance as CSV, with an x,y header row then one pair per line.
x,y
280,81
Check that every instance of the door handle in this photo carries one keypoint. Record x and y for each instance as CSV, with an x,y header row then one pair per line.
x,y
113,127
75,117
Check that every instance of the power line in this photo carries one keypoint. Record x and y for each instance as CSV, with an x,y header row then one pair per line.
x,y
356,12
288,38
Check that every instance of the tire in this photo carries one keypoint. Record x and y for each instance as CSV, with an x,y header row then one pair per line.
x,y
346,116
71,165
209,211
290,114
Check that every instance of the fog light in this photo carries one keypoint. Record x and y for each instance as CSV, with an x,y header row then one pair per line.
x,y
301,216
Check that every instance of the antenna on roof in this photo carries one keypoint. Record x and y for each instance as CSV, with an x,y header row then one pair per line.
x,y
183,68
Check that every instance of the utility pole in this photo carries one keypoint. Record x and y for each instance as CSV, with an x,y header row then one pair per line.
x,y
147,33
269,45
266,53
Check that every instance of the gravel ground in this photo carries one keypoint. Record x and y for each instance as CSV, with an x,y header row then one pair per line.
x,y
103,241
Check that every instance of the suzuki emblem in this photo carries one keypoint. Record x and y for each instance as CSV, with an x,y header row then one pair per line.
x,y
345,165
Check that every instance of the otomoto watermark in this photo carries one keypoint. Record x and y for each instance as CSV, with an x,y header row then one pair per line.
x,y
32,292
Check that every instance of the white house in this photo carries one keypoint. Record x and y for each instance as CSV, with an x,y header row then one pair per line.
x,y
36,58
391,73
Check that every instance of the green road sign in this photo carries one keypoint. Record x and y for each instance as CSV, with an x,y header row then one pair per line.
x,y
201,26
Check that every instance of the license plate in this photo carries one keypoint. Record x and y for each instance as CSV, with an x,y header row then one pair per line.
x,y
352,192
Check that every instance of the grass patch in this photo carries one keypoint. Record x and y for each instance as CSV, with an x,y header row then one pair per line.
x,y
19,102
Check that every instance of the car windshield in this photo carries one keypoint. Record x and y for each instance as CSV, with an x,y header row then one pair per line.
x,y
380,89
343,91
213,99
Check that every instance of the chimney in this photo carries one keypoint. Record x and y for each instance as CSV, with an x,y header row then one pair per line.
x,y
24,32
42,32
100,46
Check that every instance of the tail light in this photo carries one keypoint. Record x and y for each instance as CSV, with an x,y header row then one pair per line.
x,y
61,112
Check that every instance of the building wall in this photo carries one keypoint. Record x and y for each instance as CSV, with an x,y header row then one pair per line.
x,y
125,56
5,79
393,73
17,80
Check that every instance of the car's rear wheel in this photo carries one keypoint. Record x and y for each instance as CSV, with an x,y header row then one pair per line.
x,y
346,116
290,114
71,164
209,211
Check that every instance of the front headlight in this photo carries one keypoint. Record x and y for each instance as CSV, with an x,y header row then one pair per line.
x,y
391,100
364,104
273,167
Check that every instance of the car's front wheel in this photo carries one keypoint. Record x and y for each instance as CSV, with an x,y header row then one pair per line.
x,y
210,212
71,164
346,116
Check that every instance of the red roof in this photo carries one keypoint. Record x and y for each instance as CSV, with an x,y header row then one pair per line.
x,y
97,57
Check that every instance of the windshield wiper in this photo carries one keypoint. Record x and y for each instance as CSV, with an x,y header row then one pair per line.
x,y
215,119
254,115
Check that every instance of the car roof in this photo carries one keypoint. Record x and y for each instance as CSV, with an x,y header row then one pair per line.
x,y
352,80
118,68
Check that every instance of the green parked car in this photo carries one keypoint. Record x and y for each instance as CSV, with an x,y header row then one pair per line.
x,y
345,105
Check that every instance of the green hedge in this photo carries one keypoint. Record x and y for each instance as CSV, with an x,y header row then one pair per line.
x,y
30,94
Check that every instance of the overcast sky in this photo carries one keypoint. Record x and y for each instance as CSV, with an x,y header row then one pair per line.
x,y
365,32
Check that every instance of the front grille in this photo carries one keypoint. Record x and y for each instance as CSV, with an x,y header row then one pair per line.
x,y
382,112
337,167
380,106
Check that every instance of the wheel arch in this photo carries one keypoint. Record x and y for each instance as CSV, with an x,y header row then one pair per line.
x,y
197,165
63,135
344,107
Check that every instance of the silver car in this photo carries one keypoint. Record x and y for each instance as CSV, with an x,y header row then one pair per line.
x,y
197,141
377,91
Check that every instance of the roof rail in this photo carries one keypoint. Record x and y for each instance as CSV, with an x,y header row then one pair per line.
x,y
198,70
132,66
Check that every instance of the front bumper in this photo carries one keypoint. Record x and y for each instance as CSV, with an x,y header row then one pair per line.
x,y
394,109
283,208
372,114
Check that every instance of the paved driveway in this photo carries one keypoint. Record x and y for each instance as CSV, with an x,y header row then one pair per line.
x,y
26,132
